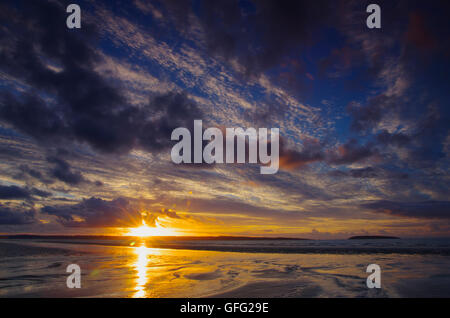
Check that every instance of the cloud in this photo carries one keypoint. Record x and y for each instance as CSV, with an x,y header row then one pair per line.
x,y
100,213
72,103
369,173
17,193
364,173
26,171
312,151
232,206
63,172
119,94
96,212
12,217
418,33
351,152
421,210
259,34
13,192
339,61
409,108
396,139
40,193
315,151
368,116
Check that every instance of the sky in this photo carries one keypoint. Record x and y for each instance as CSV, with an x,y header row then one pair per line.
x,y
86,117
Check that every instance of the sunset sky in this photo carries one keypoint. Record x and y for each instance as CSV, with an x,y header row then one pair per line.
x,y
86,116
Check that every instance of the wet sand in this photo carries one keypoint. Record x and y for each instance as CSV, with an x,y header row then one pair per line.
x,y
38,269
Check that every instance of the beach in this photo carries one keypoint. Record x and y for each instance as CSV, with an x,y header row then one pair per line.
x,y
37,268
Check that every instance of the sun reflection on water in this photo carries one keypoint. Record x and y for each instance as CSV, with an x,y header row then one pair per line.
x,y
141,267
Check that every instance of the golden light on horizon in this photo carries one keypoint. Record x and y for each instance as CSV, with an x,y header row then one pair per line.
x,y
146,231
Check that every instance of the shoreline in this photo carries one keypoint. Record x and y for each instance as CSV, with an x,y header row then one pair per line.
x,y
249,248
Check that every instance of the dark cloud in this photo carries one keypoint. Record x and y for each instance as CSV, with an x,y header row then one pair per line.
x,y
63,172
259,34
419,34
98,183
7,152
351,152
430,136
13,217
13,192
312,151
171,110
369,173
40,193
31,172
339,61
66,100
427,123
422,210
368,116
396,139
315,151
415,94
363,173
26,173
96,212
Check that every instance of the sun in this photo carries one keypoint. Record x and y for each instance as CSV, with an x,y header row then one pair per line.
x,y
145,231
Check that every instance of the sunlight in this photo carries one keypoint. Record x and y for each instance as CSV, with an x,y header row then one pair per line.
x,y
141,268
141,265
144,230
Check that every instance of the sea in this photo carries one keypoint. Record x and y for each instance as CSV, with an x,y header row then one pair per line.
x,y
263,268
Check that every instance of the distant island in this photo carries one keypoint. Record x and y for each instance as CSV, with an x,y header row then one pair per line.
x,y
374,237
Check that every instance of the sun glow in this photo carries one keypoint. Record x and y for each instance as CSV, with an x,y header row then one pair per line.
x,y
141,268
145,231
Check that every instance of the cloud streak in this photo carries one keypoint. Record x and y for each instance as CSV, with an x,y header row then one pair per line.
x,y
421,210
